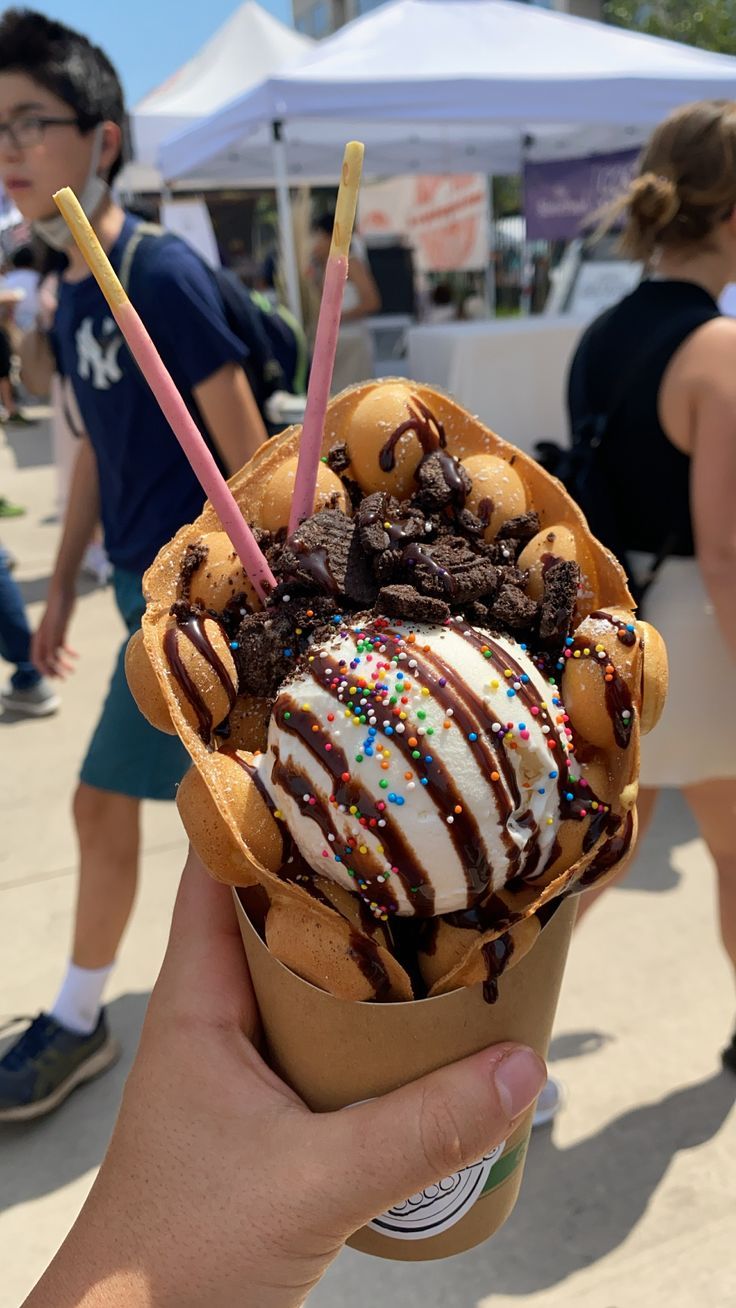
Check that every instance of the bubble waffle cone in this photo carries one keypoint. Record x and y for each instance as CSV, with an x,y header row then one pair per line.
x,y
612,665
440,546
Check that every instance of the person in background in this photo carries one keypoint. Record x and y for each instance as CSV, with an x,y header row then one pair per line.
x,y
61,124
27,694
18,289
355,361
9,303
441,307
23,276
220,1187
656,374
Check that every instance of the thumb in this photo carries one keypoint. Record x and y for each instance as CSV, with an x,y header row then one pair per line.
x,y
395,1146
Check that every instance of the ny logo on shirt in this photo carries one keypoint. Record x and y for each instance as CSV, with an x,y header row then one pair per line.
x,y
98,360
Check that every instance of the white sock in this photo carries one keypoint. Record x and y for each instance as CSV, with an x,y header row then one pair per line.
x,y
77,1005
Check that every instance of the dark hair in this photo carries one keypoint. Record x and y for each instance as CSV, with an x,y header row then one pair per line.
x,y
324,223
23,257
68,65
686,183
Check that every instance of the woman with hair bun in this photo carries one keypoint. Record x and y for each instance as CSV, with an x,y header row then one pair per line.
x,y
654,381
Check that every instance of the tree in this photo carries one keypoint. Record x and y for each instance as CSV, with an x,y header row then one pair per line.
x,y
709,24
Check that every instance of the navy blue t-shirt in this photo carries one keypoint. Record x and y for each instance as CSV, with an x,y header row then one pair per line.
x,y
147,489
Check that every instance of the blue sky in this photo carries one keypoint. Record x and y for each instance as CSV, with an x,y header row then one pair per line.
x,y
148,40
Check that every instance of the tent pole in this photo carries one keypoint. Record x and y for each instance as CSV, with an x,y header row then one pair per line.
x,y
490,278
286,226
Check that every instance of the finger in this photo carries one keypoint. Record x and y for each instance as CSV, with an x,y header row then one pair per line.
x,y
58,668
204,970
427,1130
65,665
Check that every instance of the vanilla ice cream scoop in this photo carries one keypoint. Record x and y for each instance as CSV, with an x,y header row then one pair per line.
x,y
422,767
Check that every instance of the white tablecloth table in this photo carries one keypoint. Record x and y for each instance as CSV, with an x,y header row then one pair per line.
x,y
512,374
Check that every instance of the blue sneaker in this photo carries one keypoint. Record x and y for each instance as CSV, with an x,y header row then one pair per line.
x,y
47,1062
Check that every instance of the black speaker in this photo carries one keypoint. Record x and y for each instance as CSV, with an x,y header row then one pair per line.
x,y
393,268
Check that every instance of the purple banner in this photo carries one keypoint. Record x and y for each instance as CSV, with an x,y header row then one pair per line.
x,y
562,195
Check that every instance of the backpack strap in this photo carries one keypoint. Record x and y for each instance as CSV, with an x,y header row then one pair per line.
x,y
140,233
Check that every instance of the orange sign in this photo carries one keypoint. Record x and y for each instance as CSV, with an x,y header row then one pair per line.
x,y
446,218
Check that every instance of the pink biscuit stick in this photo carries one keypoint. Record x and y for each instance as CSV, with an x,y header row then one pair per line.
x,y
320,382
325,342
172,405
199,455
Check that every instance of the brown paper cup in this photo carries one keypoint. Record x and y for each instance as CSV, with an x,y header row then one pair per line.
x,y
333,1052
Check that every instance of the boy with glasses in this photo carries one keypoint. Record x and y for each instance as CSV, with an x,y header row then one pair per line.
x,y
61,124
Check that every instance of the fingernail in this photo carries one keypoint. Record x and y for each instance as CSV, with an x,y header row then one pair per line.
x,y
518,1079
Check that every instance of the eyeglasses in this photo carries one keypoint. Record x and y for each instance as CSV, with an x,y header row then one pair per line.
x,y
27,131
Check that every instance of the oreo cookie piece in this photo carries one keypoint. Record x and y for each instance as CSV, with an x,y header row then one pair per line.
x,y
514,610
469,525
521,528
449,569
338,457
500,552
442,481
386,524
406,602
195,555
324,554
265,651
561,583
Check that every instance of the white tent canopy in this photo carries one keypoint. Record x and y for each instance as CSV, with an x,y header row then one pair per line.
x,y
251,45
465,85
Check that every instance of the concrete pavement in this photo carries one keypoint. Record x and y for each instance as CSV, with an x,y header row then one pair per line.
x,y
628,1200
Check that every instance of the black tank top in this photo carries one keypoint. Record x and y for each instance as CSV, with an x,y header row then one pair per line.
x,y
648,478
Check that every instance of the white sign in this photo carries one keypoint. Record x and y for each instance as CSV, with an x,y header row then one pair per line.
x,y
601,284
446,219
190,219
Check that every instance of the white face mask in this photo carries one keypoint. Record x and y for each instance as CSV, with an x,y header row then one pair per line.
x,y
55,231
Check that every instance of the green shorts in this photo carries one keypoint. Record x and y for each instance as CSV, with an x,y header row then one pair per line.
x,y
126,754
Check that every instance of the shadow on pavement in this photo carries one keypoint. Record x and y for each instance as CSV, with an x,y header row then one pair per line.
x,y
39,1158
37,588
576,1206
673,824
31,446
601,1186
577,1043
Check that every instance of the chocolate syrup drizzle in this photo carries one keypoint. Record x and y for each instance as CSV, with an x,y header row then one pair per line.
x,y
193,629
314,562
623,634
472,718
362,948
351,792
464,830
364,952
497,955
430,433
612,851
396,531
416,553
617,693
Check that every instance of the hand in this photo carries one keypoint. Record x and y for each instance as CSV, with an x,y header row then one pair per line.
x,y
49,651
220,1187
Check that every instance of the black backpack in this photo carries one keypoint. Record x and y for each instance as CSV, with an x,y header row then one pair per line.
x,y
274,357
